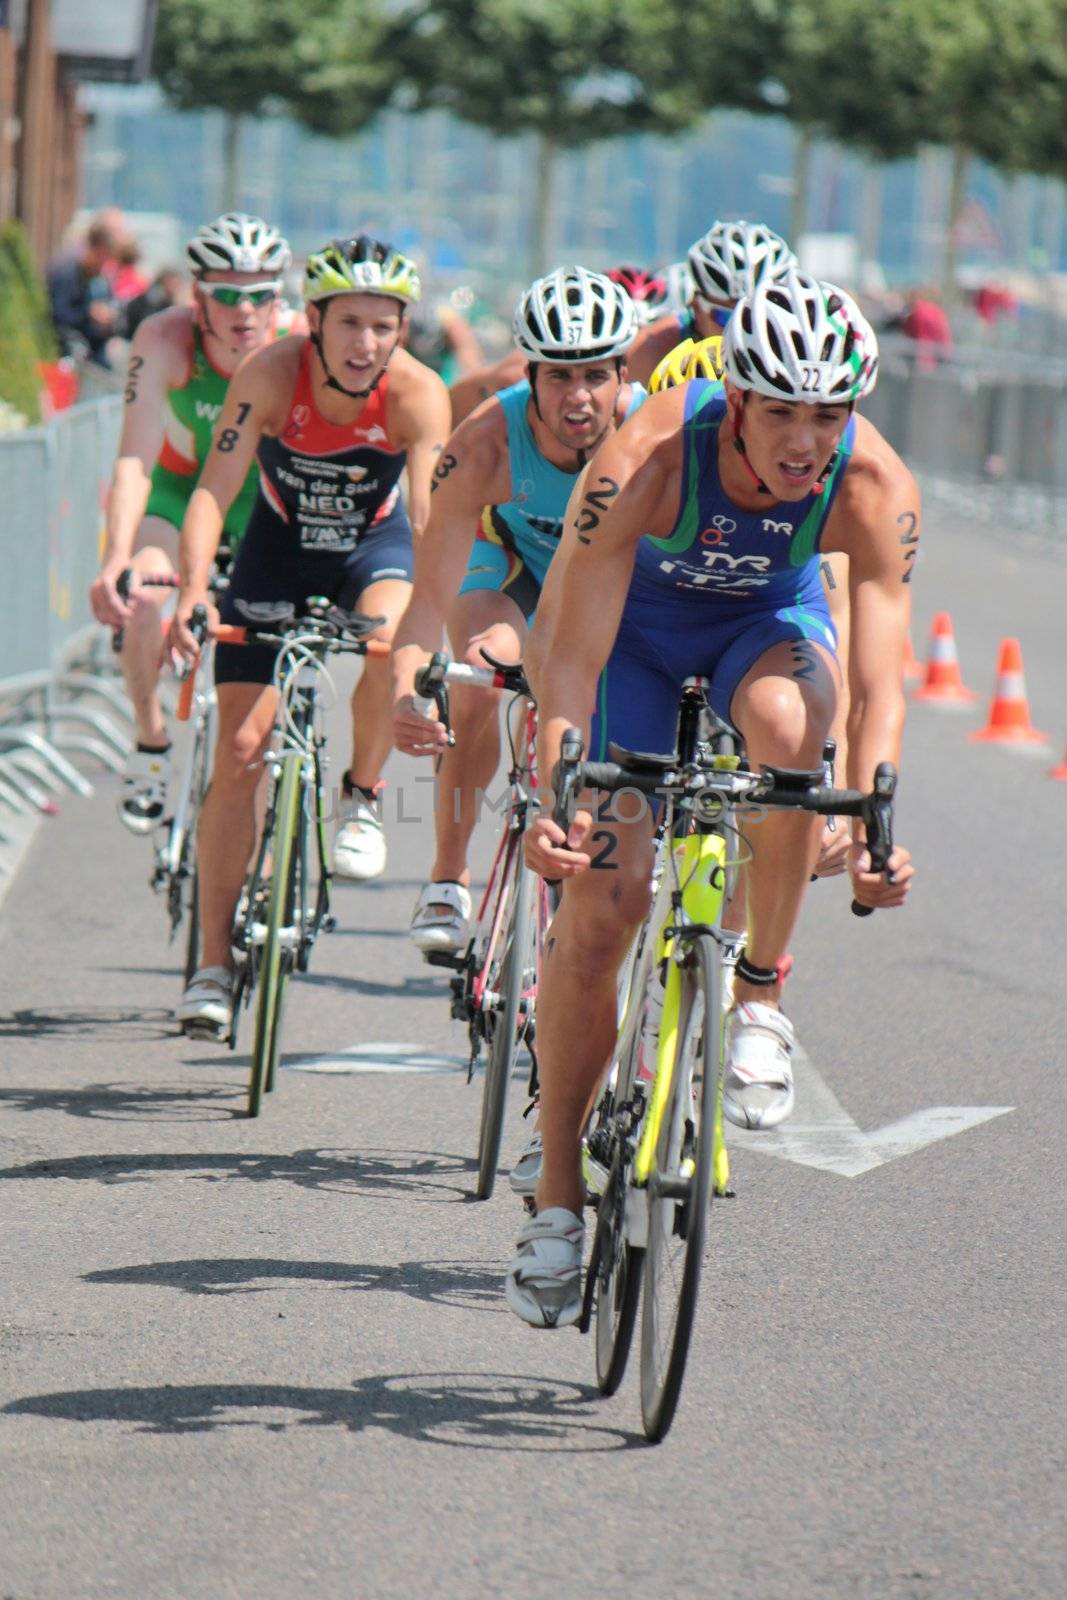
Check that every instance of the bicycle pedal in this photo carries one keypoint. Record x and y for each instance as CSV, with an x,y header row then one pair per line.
x,y
443,958
328,924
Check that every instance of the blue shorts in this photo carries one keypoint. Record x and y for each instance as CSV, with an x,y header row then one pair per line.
x,y
497,563
269,568
658,647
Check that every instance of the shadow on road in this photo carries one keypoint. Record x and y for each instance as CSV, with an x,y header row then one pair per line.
x,y
430,986
484,1411
466,1284
125,1102
84,1021
420,1176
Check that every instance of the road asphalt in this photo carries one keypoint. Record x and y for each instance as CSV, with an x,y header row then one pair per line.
x,y
271,1358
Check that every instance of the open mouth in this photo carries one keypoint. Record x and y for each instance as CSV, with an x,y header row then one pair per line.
x,y
578,420
797,472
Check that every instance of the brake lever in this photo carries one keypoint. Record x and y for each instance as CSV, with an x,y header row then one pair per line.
x,y
566,782
878,821
431,690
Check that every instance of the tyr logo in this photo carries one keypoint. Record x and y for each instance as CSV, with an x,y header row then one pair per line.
x,y
778,527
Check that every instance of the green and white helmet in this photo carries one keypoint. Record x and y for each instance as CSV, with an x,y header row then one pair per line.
x,y
236,242
799,339
361,265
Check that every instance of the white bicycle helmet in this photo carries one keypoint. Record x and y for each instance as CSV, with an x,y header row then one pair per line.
x,y
799,339
733,258
236,242
574,315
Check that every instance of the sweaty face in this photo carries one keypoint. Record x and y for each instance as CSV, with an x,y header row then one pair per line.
x,y
577,402
789,443
246,325
359,334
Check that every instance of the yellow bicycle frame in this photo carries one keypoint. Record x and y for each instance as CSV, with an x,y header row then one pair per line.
x,y
699,864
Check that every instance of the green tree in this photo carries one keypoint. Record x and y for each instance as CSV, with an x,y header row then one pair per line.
x,y
332,64
563,71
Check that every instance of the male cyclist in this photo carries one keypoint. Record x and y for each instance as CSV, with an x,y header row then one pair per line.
x,y
648,293
500,493
706,560
181,363
333,419
729,261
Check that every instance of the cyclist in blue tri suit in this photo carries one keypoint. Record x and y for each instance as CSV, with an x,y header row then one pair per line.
x,y
500,492
731,260
706,560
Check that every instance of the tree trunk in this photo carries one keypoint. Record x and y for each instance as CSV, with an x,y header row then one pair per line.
x,y
232,122
541,242
798,211
957,196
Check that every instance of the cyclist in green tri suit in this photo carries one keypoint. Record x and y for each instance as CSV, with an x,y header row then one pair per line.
x,y
181,363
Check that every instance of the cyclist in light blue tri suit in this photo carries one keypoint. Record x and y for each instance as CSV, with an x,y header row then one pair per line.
x,y
500,493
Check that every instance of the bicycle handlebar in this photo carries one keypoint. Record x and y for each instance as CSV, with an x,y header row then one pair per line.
x,y
432,680
772,787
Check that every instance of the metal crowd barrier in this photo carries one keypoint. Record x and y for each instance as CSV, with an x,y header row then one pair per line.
x,y
985,430
59,693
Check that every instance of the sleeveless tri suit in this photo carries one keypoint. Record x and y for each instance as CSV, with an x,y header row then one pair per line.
x,y
714,595
516,540
327,520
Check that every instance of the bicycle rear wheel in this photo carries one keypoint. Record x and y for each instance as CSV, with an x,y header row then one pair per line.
x,y
274,961
507,981
679,1190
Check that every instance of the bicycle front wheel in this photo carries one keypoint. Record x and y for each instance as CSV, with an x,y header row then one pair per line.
x,y
510,977
275,960
679,1189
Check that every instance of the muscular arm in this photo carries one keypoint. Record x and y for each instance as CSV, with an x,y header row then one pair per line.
x,y
650,346
877,525
621,497
471,472
249,411
152,370
423,425
468,393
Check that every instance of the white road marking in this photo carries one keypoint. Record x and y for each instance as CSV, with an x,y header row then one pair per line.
x,y
392,1058
821,1134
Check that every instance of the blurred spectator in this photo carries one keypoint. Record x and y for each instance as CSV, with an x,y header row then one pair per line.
x,y
81,299
127,279
171,287
925,321
993,301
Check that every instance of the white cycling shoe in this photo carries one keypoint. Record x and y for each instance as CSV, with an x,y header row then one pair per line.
x,y
359,851
441,917
758,1085
526,1173
143,801
206,1008
544,1281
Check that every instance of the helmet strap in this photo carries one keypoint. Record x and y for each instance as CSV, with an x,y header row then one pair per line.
x,y
582,455
739,445
820,483
328,377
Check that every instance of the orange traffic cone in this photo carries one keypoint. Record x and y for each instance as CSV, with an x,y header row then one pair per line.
x,y
1009,713
941,680
1060,772
913,667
